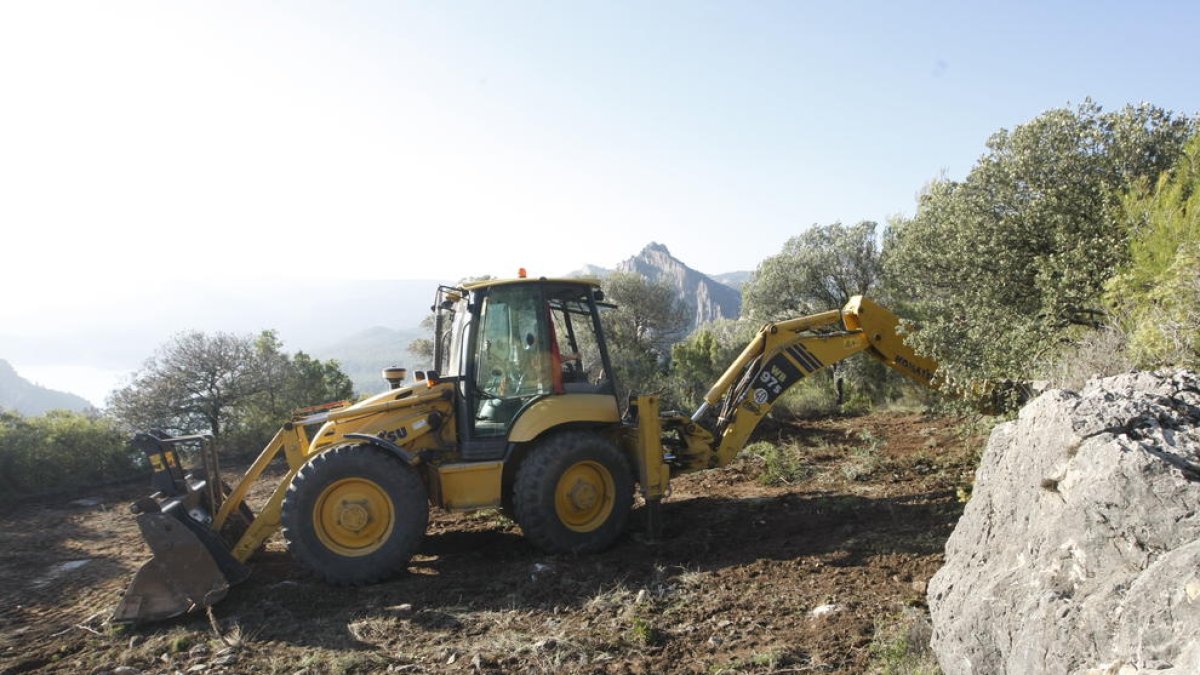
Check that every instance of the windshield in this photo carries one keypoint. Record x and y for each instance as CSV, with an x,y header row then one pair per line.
x,y
513,353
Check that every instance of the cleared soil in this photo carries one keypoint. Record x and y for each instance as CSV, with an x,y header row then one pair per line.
x,y
748,577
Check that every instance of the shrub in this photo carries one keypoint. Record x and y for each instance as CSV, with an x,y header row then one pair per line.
x,y
781,463
60,450
900,646
1156,294
1011,261
864,460
814,396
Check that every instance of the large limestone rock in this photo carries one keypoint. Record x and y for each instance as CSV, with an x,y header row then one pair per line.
x,y
1079,551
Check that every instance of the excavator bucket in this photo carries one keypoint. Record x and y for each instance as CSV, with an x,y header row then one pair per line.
x,y
184,574
192,567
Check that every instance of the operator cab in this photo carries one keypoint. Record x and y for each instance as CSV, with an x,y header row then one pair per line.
x,y
512,343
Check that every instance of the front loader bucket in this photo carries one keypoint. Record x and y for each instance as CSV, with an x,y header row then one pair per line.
x,y
190,569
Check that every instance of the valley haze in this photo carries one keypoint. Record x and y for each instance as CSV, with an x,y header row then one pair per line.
x,y
94,340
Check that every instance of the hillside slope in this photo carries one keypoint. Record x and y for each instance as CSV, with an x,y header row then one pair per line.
x,y
27,398
363,355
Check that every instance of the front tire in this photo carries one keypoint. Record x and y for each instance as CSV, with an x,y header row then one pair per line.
x,y
355,515
573,493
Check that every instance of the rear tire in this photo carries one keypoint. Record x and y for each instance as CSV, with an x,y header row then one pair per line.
x,y
573,493
355,515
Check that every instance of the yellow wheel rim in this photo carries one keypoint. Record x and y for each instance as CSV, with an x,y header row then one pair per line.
x,y
583,497
353,517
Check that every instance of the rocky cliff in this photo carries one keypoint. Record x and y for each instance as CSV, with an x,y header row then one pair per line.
x,y
1079,551
706,299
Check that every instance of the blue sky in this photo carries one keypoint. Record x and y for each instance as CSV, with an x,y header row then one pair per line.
x,y
147,143
493,135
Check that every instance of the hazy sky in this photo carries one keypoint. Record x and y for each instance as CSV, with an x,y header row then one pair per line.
x,y
185,140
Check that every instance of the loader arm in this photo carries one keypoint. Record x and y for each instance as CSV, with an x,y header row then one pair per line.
x,y
780,355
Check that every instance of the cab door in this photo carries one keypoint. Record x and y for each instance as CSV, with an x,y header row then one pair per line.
x,y
509,366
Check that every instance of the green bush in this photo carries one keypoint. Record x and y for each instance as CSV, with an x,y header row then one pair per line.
x,y
812,397
1156,295
60,450
900,646
1010,263
782,464
864,460
699,361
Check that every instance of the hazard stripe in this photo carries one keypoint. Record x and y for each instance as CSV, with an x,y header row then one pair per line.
x,y
804,358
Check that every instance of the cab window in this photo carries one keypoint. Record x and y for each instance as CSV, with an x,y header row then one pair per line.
x,y
578,352
513,356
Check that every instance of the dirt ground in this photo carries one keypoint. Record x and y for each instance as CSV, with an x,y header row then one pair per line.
x,y
802,576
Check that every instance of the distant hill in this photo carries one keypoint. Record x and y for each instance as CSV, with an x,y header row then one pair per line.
x,y
363,355
27,398
732,279
589,271
707,299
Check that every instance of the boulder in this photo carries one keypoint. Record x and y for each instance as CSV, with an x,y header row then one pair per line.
x,y
1079,551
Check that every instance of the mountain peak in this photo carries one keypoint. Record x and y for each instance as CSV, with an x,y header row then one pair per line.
x,y
655,247
707,299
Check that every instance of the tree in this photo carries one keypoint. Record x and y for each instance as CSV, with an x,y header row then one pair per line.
x,y
422,348
1001,267
313,381
233,387
648,319
817,270
701,358
196,382
289,383
1156,294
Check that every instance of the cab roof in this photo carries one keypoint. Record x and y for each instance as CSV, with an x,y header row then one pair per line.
x,y
488,283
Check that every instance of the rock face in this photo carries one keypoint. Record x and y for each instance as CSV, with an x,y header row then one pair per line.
x,y
1079,551
706,299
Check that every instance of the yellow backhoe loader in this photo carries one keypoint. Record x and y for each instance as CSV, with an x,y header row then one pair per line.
x,y
519,413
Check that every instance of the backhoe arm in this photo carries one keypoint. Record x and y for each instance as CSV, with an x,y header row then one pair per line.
x,y
779,356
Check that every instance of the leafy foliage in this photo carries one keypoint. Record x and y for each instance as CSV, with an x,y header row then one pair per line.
x,y
1000,266
818,270
196,382
1156,294
640,331
289,382
701,358
782,464
238,388
60,449
422,348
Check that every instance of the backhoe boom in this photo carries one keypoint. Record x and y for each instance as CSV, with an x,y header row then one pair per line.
x,y
780,355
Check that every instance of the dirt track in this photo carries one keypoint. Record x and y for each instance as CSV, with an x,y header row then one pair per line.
x,y
732,587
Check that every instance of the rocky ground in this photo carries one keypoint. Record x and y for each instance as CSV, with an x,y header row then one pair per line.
x,y
810,553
